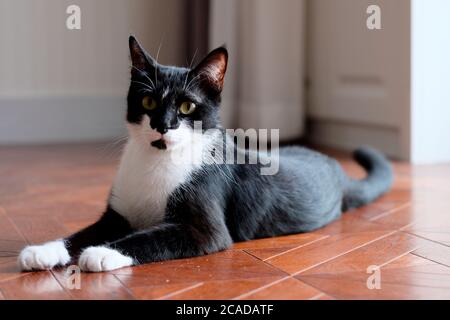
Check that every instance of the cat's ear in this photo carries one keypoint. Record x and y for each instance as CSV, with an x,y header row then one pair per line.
x,y
140,59
211,70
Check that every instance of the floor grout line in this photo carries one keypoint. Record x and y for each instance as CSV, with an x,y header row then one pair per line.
x,y
344,253
180,291
296,273
249,293
424,238
66,290
317,296
124,285
427,231
386,213
397,257
3,210
14,276
251,254
265,262
315,287
300,246
384,281
435,261
407,226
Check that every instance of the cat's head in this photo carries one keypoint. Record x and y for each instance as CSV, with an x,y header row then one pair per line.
x,y
164,101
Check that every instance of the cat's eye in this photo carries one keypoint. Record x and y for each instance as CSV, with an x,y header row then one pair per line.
x,y
149,103
187,108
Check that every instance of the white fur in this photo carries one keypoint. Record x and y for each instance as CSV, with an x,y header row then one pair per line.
x,y
147,175
98,259
44,256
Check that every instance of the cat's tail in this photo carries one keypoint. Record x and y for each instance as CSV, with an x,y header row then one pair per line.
x,y
378,181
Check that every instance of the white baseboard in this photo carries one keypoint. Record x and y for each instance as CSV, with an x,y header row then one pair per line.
x,y
349,136
36,120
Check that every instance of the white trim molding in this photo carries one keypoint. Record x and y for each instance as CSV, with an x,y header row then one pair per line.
x,y
351,135
50,119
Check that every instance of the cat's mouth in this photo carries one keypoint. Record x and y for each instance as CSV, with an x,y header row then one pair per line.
x,y
159,144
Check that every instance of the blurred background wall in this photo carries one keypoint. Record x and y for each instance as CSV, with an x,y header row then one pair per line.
x,y
310,68
59,85
267,58
359,79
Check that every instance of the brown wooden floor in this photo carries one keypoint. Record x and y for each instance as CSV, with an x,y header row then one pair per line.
x,y
49,192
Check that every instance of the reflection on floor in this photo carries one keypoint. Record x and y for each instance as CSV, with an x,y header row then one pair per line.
x,y
49,192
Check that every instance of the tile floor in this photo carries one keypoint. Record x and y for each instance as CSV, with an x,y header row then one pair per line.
x,y
51,191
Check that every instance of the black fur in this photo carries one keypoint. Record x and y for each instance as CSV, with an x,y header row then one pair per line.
x,y
150,78
223,203
110,227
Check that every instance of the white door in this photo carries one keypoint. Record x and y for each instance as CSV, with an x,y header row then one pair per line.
x,y
359,79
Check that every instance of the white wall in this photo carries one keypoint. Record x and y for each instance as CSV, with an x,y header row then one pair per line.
x,y
48,73
430,65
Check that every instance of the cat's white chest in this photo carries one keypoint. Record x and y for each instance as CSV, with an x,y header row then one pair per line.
x,y
144,182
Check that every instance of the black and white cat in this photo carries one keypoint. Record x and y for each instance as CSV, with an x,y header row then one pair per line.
x,y
162,209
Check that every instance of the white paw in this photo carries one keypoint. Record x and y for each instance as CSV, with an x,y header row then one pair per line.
x,y
44,256
98,259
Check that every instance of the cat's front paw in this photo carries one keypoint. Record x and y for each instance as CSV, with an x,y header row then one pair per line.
x,y
44,256
99,259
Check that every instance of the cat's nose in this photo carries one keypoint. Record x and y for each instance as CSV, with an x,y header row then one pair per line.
x,y
162,130
166,128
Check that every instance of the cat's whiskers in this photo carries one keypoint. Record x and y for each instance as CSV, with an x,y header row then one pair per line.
x,y
156,65
145,90
114,147
190,67
144,84
145,75
193,81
